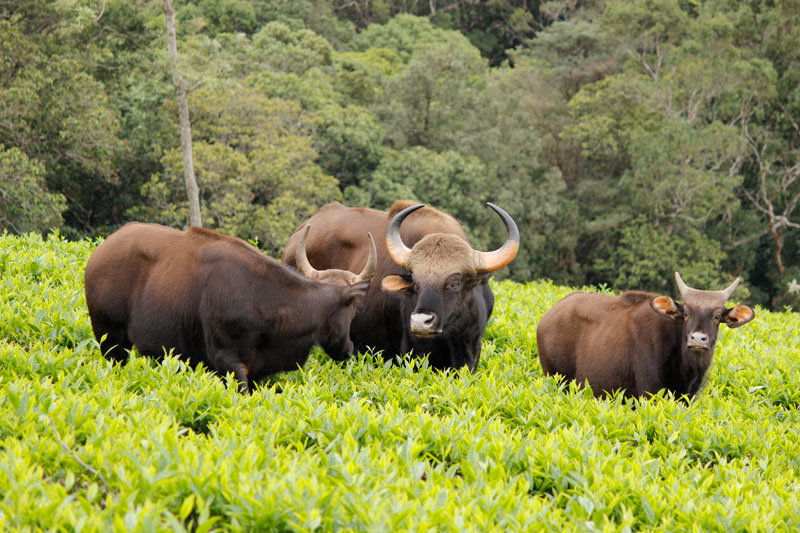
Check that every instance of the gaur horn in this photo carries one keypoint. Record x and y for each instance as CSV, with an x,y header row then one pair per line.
x,y
731,288
301,259
372,262
398,251
491,261
684,289
305,268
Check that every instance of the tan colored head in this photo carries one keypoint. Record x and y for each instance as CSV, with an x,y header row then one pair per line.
x,y
444,269
481,262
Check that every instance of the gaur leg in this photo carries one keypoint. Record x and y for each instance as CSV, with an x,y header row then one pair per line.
x,y
225,361
115,344
475,357
545,362
646,385
647,377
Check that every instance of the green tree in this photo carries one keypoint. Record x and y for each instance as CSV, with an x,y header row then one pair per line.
x,y
212,17
348,140
661,138
255,169
647,256
407,35
434,97
25,204
55,110
446,180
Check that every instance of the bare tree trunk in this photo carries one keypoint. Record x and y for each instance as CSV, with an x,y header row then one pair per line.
x,y
183,107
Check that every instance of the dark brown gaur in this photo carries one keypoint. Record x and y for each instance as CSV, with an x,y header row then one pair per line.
x,y
433,258
639,342
433,296
217,300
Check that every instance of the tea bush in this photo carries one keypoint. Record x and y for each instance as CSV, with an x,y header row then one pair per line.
x,y
366,446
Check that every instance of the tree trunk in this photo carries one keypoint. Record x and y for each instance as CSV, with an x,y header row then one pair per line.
x,y
183,107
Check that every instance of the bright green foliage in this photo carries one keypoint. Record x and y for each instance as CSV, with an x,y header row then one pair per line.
x,y
361,75
291,51
407,35
25,204
674,176
367,446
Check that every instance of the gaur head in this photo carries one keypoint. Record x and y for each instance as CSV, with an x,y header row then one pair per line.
x,y
349,290
334,334
701,313
442,271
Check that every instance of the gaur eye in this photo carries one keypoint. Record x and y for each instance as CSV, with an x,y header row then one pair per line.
x,y
454,285
717,317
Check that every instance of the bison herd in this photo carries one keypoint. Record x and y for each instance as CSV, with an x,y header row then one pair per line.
x,y
420,288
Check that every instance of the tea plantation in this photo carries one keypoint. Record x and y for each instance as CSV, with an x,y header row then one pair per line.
x,y
86,445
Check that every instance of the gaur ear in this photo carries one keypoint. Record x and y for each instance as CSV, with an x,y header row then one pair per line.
x,y
471,281
666,306
361,286
356,293
739,316
394,283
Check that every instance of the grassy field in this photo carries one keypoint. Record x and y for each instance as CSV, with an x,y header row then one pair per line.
x,y
362,446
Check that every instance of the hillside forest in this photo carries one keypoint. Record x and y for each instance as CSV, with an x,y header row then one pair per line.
x,y
628,139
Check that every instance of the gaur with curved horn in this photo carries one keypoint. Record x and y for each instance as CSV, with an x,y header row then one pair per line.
x,y
334,275
216,300
433,296
639,342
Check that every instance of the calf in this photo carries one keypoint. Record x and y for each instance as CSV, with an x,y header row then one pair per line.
x,y
638,342
216,300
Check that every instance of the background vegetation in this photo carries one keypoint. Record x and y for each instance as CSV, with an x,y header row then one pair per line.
x,y
627,138
363,446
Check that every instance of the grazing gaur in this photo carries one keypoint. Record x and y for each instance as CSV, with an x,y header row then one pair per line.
x,y
217,300
639,342
433,296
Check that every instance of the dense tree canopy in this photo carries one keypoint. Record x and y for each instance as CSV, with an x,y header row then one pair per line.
x,y
628,138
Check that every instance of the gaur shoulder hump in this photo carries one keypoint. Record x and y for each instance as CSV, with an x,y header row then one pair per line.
x,y
633,298
399,205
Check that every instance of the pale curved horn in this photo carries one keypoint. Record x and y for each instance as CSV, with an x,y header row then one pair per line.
x,y
372,261
398,251
301,259
731,288
491,261
682,287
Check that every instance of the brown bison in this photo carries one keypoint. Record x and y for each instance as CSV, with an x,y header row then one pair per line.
x,y
433,296
216,300
638,342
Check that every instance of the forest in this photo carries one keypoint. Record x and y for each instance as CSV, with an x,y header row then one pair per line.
x,y
628,139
